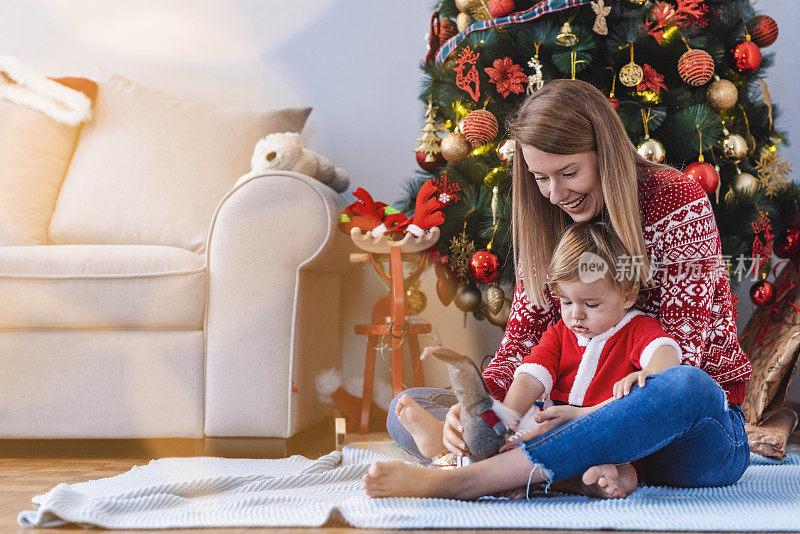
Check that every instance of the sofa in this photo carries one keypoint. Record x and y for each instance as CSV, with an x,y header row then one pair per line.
x,y
143,294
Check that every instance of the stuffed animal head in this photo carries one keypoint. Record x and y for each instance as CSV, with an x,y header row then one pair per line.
x,y
278,151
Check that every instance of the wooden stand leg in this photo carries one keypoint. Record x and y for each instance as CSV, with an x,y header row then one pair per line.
x,y
398,330
416,364
369,376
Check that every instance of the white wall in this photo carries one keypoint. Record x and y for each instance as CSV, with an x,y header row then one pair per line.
x,y
355,62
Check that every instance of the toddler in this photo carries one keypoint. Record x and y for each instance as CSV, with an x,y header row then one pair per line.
x,y
595,353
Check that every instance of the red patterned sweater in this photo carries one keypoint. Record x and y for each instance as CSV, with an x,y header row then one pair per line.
x,y
689,294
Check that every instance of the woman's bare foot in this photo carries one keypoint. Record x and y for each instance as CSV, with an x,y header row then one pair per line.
x,y
396,479
609,481
423,427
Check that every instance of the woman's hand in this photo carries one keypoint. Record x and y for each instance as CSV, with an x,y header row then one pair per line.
x,y
451,434
548,420
623,387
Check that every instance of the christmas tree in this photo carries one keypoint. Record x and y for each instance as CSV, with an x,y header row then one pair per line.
x,y
685,76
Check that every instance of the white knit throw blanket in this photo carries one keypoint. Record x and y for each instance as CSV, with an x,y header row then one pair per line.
x,y
218,492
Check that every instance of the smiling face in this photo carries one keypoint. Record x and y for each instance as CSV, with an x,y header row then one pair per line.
x,y
570,181
591,309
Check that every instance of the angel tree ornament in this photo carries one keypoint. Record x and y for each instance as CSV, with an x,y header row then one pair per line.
x,y
601,11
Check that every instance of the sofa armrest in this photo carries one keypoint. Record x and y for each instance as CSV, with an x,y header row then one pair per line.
x,y
275,261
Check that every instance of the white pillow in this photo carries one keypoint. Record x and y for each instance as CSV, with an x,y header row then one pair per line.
x,y
150,169
35,151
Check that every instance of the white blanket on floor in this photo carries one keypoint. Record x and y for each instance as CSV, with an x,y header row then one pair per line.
x,y
296,491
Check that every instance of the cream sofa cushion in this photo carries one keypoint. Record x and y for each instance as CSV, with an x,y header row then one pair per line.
x,y
35,152
92,286
151,168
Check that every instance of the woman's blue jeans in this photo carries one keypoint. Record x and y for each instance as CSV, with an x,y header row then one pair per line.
x,y
679,427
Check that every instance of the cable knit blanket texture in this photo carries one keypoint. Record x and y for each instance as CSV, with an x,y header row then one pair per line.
x,y
296,491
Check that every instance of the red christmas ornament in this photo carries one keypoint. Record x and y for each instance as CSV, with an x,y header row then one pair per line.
x,y
484,267
430,166
480,127
447,30
746,56
763,30
705,174
614,101
762,293
696,67
501,8
652,80
469,80
507,76
788,246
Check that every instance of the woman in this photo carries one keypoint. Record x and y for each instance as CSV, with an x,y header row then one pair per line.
x,y
574,162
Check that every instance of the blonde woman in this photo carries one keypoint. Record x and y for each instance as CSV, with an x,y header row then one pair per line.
x,y
574,163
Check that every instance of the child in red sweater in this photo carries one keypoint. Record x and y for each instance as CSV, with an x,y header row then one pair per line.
x,y
599,349
602,345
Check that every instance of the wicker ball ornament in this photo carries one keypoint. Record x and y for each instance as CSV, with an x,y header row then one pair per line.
x,y
746,56
763,30
696,67
722,94
480,127
631,75
705,174
455,147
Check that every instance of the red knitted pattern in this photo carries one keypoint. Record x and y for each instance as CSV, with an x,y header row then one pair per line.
x,y
679,231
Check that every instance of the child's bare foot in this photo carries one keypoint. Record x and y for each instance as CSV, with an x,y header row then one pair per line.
x,y
423,427
396,479
609,481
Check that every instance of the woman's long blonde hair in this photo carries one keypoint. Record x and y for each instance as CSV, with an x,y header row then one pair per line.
x,y
570,117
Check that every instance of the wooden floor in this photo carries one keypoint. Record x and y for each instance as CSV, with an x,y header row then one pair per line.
x,y
22,478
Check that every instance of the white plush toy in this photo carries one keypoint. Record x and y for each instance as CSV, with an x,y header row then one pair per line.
x,y
284,151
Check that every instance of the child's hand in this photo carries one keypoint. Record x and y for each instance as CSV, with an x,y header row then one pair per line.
x,y
623,387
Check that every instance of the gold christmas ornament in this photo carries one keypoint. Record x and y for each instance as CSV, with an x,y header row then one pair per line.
x,y
565,36
429,142
601,12
455,147
746,183
535,80
734,147
467,298
461,251
506,151
631,74
652,150
722,94
479,9
495,298
463,21
415,300
773,172
500,318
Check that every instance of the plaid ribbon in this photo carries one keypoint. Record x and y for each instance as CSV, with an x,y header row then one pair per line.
x,y
542,8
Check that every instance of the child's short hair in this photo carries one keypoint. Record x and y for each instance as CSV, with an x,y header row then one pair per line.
x,y
597,238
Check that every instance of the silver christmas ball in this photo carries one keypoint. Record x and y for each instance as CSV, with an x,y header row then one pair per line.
x,y
506,151
652,150
735,147
746,183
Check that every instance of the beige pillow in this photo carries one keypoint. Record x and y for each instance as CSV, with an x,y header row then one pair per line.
x,y
151,168
35,151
